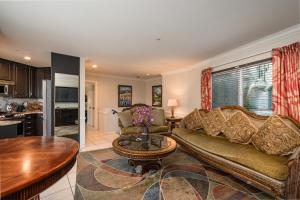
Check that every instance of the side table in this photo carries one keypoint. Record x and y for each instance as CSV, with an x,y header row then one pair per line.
x,y
173,122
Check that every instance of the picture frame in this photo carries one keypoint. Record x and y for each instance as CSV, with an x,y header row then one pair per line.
x,y
157,95
124,95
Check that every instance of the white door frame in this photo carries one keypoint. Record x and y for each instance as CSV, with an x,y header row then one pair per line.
x,y
96,103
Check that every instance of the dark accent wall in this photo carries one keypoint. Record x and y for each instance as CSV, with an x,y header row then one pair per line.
x,y
64,64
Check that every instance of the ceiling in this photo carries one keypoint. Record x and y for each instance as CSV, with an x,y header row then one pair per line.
x,y
137,37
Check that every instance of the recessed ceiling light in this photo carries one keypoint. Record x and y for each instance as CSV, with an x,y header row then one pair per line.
x,y
27,58
147,74
94,66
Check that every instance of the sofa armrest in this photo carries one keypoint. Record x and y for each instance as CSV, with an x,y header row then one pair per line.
x,y
292,185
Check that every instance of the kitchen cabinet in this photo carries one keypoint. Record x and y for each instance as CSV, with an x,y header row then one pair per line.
x,y
6,70
32,82
43,73
21,89
33,124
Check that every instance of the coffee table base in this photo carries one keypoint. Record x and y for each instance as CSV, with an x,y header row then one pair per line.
x,y
143,166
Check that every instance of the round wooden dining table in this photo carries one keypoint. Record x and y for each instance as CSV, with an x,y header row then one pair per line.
x,y
29,165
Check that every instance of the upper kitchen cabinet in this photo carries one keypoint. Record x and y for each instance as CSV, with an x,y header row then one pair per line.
x,y
6,70
21,81
32,82
43,73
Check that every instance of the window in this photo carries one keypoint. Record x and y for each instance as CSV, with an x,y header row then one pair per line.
x,y
247,85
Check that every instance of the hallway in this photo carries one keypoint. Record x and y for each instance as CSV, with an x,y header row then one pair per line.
x,y
95,139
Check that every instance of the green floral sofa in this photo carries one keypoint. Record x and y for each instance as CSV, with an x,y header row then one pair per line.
x,y
278,175
159,124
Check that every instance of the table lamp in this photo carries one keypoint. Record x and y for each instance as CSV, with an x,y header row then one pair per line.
x,y
172,103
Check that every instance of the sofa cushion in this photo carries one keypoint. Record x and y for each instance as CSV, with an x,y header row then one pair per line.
x,y
125,118
238,128
158,129
158,116
213,122
193,120
246,155
276,137
132,130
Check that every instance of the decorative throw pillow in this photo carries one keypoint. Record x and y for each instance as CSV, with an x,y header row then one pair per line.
x,y
193,120
158,116
125,118
238,128
275,137
213,122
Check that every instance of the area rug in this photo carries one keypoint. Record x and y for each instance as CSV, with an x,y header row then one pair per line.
x,y
102,175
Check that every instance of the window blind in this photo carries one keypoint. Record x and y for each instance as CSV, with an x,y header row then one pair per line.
x,y
247,85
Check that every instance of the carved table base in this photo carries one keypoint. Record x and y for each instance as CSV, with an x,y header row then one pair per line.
x,y
143,166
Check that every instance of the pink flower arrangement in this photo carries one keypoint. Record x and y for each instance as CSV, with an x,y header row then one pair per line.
x,y
142,116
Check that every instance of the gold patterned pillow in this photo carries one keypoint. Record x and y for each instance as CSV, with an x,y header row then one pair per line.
x,y
275,137
238,128
193,120
213,122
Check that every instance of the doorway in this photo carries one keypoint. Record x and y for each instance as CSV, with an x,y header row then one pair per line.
x,y
90,104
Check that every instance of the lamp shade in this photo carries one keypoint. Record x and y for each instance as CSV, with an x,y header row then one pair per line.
x,y
172,103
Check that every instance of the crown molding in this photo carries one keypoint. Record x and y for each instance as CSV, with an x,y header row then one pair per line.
x,y
113,76
281,38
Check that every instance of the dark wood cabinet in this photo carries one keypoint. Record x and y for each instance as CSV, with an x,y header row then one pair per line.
x,y
6,70
32,82
43,73
21,89
33,124
28,80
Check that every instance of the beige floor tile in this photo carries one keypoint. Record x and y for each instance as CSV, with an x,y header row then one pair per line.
x,y
61,184
72,179
65,194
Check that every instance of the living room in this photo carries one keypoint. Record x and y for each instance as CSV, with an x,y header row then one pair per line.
x,y
150,99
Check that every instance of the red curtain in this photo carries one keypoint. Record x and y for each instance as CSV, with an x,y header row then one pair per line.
x,y
206,96
286,81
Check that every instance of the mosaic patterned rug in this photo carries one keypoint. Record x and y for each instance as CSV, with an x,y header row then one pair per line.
x,y
102,174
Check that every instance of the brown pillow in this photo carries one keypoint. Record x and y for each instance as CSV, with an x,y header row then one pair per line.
x,y
193,120
275,137
158,116
125,118
238,128
213,122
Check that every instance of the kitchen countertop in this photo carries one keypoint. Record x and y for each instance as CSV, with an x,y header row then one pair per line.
x,y
8,123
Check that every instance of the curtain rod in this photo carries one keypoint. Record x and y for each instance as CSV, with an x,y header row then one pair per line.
x,y
242,58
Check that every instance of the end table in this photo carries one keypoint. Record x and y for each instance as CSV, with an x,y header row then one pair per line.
x,y
173,121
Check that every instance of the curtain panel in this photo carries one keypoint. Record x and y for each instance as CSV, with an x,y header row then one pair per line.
x,y
206,89
286,81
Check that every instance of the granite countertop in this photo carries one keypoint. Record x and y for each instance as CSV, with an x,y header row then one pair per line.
x,y
8,123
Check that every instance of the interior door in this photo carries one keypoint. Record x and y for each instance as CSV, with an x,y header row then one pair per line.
x,y
90,91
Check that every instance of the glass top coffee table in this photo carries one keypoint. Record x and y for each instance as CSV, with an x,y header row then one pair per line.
x,y
144,152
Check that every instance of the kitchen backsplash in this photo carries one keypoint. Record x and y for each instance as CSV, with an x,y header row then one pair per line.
x,y
6,100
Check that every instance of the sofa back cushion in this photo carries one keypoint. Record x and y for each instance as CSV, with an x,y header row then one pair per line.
x,y
158,116
276,137
213,122
238,128
193,120
125,118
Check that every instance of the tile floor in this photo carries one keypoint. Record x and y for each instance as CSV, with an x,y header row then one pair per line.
x,y
64,189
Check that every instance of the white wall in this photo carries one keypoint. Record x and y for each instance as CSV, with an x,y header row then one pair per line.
x,y
107,98
185,84
148,88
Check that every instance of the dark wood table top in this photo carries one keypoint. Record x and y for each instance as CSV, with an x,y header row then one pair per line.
x,y
26,161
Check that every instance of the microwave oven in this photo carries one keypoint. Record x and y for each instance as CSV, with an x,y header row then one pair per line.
x,y
4,90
